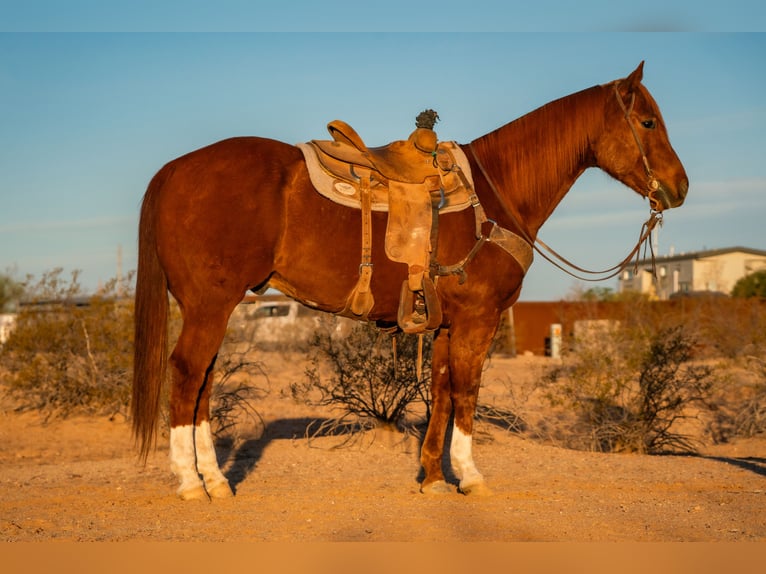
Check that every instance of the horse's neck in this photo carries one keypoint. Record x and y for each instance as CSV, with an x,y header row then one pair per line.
x,y
533,161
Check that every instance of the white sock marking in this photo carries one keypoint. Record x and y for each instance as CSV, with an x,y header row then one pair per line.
x,y
462,457
207,463
182,459
186,465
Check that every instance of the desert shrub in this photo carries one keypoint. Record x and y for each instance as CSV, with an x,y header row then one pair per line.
x,y
10,293
368,378
671,388
238,383
735,329
69,353
748,415
740,401
72,354
632,393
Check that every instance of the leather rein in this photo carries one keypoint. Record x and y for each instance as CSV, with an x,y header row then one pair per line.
x,y
655,214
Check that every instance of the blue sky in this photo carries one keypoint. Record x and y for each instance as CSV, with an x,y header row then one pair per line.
x,y
88,118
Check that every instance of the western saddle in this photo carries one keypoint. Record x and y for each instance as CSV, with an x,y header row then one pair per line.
x,y
414,180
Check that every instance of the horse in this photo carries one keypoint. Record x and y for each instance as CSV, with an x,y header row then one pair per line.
x,y
242,215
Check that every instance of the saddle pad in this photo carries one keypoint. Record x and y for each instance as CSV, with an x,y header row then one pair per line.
x,y
342,192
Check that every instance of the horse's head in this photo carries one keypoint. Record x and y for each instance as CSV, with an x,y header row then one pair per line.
x,y
635,148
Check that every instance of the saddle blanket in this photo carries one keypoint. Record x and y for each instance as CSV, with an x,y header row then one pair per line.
x,y
455,195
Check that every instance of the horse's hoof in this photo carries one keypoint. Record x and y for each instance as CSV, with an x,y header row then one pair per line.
x,y
194,493
476,489
220,490
438,487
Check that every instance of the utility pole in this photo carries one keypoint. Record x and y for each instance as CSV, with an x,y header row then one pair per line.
x,y
119,270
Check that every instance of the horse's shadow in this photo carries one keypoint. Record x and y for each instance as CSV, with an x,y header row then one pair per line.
x,y
242,457
754,464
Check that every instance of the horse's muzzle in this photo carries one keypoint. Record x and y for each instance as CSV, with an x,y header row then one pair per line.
x,y
665,197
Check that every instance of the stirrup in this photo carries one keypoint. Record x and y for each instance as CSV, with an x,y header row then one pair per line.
x,y
419,310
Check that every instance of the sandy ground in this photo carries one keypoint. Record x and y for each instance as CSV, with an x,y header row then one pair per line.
x,y
79,480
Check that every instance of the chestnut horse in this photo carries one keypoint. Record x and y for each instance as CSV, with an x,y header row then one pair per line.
x,y
242,214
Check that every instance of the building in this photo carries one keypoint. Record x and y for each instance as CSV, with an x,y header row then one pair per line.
x,y
713,271
7,323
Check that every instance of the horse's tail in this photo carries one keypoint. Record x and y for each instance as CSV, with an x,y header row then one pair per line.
x,y
150,355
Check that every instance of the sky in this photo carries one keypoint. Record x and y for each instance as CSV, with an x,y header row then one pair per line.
x,y
94,101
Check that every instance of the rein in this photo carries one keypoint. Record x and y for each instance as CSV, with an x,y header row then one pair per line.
x,y
648,226
655,215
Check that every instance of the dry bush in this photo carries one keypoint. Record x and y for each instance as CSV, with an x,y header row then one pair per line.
x,y
239,381
632,393
671,389
751,419
734,328
69,354
742,401
72,354
368,378
10,292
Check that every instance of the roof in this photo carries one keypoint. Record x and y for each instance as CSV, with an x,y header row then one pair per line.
x,y
705,254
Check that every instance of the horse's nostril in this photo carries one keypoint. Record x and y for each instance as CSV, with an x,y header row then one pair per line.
x,y
683,188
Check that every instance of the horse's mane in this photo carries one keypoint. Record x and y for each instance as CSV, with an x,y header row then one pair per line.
x,y
529,157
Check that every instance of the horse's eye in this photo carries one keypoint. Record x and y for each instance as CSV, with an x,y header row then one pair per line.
x,y
649,124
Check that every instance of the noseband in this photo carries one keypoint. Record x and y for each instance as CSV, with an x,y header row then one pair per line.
x,y
653,184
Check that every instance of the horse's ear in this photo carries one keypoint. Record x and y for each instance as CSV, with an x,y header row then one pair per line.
x,y
631,83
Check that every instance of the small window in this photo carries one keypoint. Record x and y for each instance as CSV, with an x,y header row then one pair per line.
x,y
272,311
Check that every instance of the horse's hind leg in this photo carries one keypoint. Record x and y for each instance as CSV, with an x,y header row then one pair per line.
x,y
192,453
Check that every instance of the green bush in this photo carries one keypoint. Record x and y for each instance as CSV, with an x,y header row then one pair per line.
x,y
753,285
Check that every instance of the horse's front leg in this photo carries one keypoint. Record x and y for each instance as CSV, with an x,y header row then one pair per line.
x,y
441,407
468,351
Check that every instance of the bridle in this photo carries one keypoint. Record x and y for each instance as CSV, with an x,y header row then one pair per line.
x,y
653,185
655,214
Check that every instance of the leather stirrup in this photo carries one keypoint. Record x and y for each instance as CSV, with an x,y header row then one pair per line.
x,y
420,310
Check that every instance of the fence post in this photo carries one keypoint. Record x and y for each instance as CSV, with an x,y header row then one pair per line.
x,y
555,340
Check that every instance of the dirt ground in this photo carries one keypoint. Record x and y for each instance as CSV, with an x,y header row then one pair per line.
x,y
79,480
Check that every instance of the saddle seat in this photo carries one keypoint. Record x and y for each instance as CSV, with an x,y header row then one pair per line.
x,y
408,161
